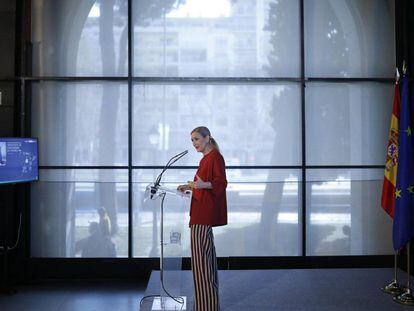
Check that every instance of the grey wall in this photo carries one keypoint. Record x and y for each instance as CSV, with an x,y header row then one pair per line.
x,y
7,35
7,64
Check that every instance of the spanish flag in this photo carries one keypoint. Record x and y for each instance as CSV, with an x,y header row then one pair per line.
x,y
391,164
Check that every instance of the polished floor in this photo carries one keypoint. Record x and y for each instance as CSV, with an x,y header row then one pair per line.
x,y
90,296
296,289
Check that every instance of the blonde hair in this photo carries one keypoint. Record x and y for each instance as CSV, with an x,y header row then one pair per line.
x,y
204,131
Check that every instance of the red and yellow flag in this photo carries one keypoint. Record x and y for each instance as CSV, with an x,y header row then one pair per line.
x,y
391,164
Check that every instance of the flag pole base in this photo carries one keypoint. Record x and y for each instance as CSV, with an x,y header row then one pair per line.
x,y
392,288
405,298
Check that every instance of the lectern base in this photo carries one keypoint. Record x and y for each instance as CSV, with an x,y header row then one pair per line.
x,y
167,303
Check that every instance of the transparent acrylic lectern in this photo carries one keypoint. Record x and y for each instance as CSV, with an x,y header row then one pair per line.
x,y
171,204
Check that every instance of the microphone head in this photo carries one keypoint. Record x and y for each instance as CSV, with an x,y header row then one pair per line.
x,y
153,190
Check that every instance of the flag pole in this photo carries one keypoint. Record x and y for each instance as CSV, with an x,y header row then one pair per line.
x,y
406,298
393,287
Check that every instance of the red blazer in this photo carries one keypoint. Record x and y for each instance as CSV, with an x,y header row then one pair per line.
x,y
209,206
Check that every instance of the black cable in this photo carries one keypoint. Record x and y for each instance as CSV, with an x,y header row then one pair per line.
x,y
6,247
146,297
18,234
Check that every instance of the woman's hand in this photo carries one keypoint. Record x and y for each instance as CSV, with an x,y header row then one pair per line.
x,y
183,188
199,184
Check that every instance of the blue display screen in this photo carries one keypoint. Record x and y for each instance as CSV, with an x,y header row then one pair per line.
x,y
18,160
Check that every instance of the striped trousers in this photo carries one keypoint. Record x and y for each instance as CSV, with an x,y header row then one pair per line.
x,y
204,268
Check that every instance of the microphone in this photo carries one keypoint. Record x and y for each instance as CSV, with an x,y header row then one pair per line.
x,y
153,191
170,162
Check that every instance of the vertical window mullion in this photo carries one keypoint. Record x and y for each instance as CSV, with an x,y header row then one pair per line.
x,y
303,118
130,219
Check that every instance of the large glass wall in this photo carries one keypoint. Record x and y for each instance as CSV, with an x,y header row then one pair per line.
x,y
301,115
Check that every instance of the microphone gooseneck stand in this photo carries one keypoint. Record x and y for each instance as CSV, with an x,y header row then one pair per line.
x,y
170,162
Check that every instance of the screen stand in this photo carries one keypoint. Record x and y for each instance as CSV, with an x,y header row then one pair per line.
x,y
4,250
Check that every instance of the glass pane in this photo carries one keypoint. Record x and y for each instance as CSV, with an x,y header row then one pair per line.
x,y
85,38
220,38
80,213
81,123
349,38
6,108
7,94
347,123
7,38
263,213
164,116
344,214
7,121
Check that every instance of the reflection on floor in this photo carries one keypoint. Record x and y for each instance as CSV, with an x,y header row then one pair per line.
x,y
293,289
288,289
76,296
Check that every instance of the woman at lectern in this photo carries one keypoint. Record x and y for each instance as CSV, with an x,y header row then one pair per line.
x,y
208,209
